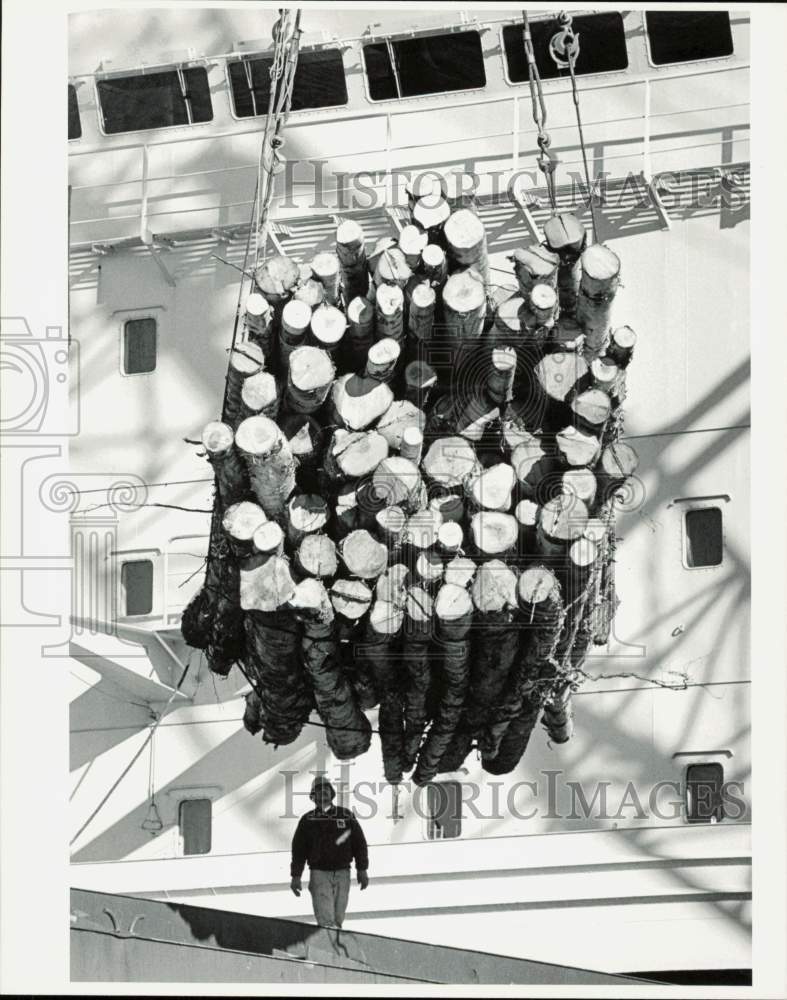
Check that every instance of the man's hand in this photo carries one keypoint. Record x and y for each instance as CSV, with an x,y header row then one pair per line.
x,y
295,885
363,880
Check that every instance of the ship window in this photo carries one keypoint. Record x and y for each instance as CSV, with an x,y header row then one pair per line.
x,y
74,124
602,46
194,821
155,100
678,36
444,810
703,537
139,346
704,783
319,83
136,586
431,64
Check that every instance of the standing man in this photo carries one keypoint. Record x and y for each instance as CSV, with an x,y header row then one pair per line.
x,y
329,837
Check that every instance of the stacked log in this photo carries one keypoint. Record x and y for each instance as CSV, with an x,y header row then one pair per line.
x,y
436,542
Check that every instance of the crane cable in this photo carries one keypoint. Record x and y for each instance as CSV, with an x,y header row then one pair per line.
x,y
547,162
566,44
282,76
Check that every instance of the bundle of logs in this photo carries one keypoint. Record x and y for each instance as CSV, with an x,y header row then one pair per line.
x,y
415,485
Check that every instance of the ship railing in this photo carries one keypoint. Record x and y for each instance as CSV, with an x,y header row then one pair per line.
x,y
648,142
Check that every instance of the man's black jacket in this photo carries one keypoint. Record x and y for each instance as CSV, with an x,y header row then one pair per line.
x,y
328,841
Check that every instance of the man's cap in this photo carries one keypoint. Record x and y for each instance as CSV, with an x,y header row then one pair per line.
x,y
321,782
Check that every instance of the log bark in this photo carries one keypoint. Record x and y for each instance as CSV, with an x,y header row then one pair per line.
x,y
296,319
506,736
273,663
412,444
382,359
450,506
269,462
538,314
464,309
534,468
434,265
621,345
565,235
245,360
259,324
328,326
494,644
309,379
347,730
534,265
508,328
360,333
389,313
422,301
351,251
392,269
419,380
466,239
597,289
307,513
327,270
559,717
560,376
591,410
618,462
232,481
379,655
500,380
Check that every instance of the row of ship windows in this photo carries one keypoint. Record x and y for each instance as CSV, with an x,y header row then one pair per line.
x,y
703,547
398,68
703,802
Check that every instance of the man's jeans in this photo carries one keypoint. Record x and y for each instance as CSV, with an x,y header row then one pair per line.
x,y
330,892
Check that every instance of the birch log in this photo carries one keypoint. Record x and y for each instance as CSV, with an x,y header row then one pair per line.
x,y
309,379
347,730
327,269
296,319
565,235
259,323
360,333
597,289
232,481
246,359
273,664
466,239
389,313
351,251
534,265
269,462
